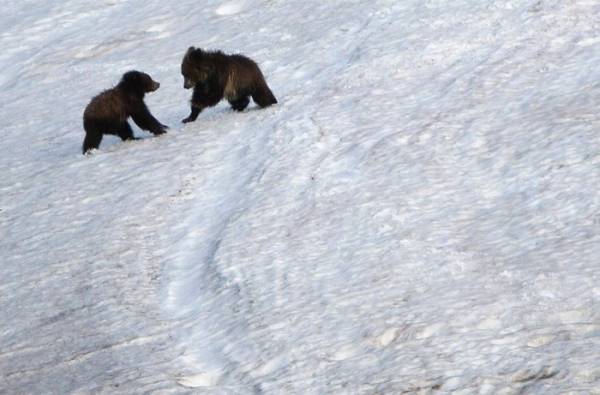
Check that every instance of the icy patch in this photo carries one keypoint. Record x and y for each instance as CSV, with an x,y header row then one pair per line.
x,y
271,366
230,8
345,352
199,380
387,337
160,29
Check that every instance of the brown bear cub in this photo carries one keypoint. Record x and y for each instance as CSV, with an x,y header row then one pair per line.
x,y
108,112
215,75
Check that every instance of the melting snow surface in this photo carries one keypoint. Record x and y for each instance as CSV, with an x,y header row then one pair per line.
x,y
419,214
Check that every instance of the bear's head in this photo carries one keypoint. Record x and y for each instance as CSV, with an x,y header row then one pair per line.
x,y
196,67
138,83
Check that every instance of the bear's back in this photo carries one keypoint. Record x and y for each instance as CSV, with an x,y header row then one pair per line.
x,y
108,105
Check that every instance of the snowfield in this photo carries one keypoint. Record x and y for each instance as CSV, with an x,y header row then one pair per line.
x,y
419,214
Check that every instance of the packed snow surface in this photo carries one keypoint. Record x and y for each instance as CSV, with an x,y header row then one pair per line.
x,y
419,214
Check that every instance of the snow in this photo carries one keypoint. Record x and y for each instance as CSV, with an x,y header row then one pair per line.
x,y
418,214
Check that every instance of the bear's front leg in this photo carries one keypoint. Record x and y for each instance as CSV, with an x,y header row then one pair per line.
x,y
142,117
193,114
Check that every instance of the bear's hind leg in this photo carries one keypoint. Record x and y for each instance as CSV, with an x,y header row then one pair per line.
x,y
240,103
92,141
93,134
263,96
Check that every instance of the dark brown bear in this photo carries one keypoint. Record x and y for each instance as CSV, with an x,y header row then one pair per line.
x,y
108,112
215,75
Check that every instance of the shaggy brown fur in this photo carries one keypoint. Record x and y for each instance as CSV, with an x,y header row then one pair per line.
x,y
215,75
107,113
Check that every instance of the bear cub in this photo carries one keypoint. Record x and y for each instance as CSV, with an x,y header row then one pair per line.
x,y
215,75
108,112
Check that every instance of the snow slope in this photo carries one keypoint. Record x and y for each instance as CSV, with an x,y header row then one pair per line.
x,y
419,214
